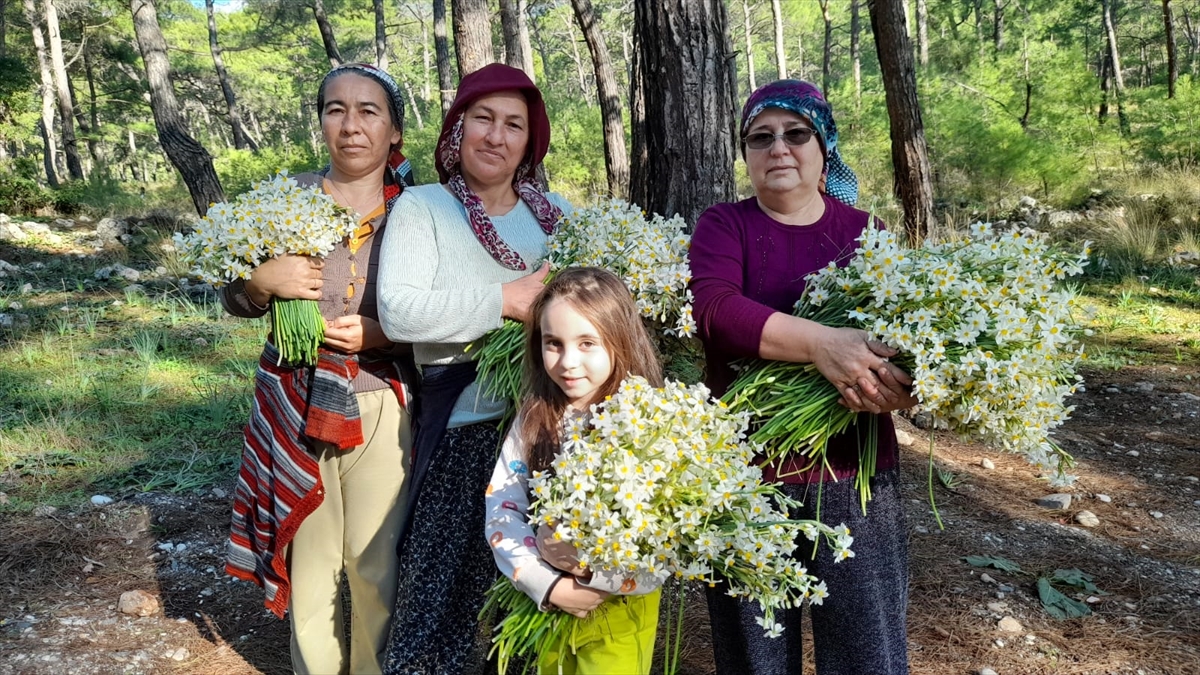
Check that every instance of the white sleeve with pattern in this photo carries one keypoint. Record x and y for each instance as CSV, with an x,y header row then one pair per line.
x,y
508,531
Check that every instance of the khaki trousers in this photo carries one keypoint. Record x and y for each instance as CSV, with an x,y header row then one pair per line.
x,y
353,531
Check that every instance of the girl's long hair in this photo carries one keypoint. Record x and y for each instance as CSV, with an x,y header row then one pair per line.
x,y
601,298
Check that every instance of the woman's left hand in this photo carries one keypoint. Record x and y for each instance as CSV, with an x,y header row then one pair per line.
x,y
355,333
888,389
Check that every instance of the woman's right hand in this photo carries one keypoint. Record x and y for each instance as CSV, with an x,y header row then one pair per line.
x,y
286,277
520,294
859,368
575,599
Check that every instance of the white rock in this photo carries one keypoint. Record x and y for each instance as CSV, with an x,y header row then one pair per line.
x,y
986,578
997,607
1010,625
101,500
1104,498
1133,453
1087,519
987,464
26,289
1156,514
904,438
1091,600
986,671
180,654
137,603
218,493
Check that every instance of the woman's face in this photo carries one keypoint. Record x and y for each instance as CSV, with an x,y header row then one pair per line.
x,y
495,135
781,168
357,125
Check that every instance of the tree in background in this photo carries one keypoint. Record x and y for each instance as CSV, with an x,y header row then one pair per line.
x,y
190,158
62,87
682,108
46,125
616,160
518,52
241,137
472,35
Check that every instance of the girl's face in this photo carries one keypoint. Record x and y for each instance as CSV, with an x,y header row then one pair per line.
x,y
573,354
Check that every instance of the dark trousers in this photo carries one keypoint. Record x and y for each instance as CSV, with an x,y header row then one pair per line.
x,y
860,629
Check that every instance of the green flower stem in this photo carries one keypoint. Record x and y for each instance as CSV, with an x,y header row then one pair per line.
x,y
298,329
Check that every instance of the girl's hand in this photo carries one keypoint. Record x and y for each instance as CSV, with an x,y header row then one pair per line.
x,y
354,333
286,277
560,555
519,295
574,599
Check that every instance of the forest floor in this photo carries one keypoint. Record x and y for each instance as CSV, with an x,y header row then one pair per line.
x,y
1134,433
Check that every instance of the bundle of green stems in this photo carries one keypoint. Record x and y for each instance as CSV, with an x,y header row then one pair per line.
x,y
298,329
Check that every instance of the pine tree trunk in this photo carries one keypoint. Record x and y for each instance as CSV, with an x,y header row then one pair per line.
x,y
577,59
910,155
49,142
93,141
441,46
856,51
998,26
827,48
1172,61
326,30
1102,112
683,102
922,33
189,157
66,106
1114,56
616,161
518,52
3,28
381,54
749,45
241,139
412,102
472,35
85,129
780,55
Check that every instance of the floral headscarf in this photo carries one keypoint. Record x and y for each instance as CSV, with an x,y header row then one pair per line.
x,y
804,98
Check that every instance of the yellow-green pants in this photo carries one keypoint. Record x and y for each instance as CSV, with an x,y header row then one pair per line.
x,y
616,639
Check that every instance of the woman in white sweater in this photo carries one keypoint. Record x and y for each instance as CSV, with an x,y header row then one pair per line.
x,y
460,256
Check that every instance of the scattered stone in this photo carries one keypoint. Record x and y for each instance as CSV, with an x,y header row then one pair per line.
x,y
6,320
180,654
1144,387
998,642
137,603
1156,514
3,498
44,510
1154,435
1111,390
1104,498
1091,600
26,289
904,438
986,671
1191,479
997,607
111,230
11,232
119,271
218,493
101,500
1010,625
1056,501
1133,453
986,578
987,464
1087,519
64,223
200,342
1003,589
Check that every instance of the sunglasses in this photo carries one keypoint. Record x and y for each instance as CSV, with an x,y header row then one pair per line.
x,y
761,140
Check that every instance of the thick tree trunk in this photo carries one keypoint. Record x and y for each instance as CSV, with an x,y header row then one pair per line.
x,y
780,55
241,138
1172,61
749,45
683,102
998,25
381,53
441,47
49,143
472,35
518,52
856,51
1114,63
910,155
616,161
62,87
827,48
189,157
922,33
326,30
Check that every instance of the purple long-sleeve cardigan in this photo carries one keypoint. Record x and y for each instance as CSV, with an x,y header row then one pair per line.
x,y
745,267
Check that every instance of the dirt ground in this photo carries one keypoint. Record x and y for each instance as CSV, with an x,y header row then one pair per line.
x,y
1135,434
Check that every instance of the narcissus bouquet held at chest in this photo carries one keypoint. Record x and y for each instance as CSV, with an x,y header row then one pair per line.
x,y
983,324
648,254
275,217
659,483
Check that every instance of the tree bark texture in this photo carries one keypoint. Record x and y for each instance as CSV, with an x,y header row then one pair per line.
x,y
1172,59
49,142
922,33
616,160
749,45
472,35
326,30
62,88
910,154
3,28
189,157
381,54
780,55
998,26
684,99
518,52
1114,64
827,48
441,47
241,138
577,59
856,51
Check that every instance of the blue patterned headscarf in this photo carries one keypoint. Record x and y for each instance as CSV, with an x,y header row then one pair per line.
x,y
805,99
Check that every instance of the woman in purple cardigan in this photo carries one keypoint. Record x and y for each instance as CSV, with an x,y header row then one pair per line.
x,y
749,260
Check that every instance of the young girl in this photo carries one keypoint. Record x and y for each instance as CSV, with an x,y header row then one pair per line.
x,y
584,337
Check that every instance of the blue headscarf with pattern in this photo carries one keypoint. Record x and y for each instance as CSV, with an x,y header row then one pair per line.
x,y
803,98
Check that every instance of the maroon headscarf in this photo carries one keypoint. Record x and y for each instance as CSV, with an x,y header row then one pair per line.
x,y
492,79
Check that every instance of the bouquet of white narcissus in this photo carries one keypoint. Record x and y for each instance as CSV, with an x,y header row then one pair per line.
x,y
661,483
275,217
981,324
649,255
